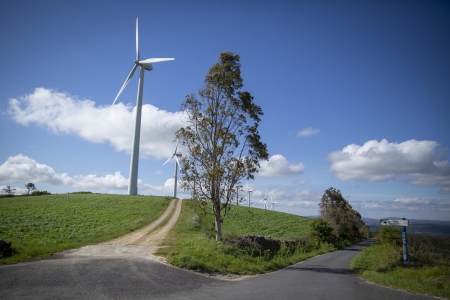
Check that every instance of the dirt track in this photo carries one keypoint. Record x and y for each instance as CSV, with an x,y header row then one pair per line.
x,y
141,243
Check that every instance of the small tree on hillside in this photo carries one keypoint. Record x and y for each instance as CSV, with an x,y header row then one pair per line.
x,y
221,139
342,217
9,191
30,187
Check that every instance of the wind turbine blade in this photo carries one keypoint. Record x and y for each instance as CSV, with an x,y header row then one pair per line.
x,y
176,158
137,41
167,160
125,83
154,60
176,147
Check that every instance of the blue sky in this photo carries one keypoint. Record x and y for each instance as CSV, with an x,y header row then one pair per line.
x,y
355,96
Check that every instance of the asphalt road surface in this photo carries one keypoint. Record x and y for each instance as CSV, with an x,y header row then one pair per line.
x,y
323,277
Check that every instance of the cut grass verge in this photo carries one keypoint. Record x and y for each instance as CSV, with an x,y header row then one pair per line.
x,y
382,264
42,225
192,244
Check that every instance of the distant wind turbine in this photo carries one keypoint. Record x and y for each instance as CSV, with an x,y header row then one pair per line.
x,y
144,65
273,203
265,200
237,194
177,163
248,191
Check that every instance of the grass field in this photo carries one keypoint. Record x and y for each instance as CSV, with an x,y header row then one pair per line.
x,y
192,243
428,270
39,226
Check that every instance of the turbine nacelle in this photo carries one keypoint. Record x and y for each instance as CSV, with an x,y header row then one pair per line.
x,y
146,66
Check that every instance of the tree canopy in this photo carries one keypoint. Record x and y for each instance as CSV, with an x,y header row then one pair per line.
x,y
221,139
30,187
342,217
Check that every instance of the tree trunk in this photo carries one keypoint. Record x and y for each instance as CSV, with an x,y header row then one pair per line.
x,y
217,221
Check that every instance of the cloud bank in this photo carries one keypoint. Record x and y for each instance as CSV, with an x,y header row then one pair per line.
x,y
21,168
421,163
403,205
63,113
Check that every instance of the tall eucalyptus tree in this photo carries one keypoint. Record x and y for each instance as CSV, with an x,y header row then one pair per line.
x,y
221,139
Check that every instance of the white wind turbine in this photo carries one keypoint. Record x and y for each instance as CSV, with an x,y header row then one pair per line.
x,y
248,191
177,163
273,203
265,200
144,65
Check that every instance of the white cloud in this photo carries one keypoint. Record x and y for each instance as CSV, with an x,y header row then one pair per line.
x,y
308,132
63,113
277,165
302,182
422,163
287,195
166,188
21,168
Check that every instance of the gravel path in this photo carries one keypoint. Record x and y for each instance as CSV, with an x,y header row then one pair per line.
x,y
141,243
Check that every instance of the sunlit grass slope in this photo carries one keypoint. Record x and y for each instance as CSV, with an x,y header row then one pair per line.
x,y
428,271
192,243
38,226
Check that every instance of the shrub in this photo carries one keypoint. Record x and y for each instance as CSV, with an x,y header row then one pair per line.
x,y
39,193
428,250
321,229
7,195
391,235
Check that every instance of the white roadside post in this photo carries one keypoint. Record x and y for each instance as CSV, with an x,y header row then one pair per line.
x,y
403,222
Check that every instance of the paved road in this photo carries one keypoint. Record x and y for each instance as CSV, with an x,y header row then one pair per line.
x,y
323,277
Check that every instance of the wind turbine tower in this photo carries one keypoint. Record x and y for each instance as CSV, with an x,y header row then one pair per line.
x,y
237,194
265,200
145,65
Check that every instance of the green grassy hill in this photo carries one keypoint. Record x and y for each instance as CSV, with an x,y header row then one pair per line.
x,y
39,226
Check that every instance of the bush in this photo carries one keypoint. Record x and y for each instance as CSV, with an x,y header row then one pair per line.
x,y
428,250
39,193
321,229
7,195
391,235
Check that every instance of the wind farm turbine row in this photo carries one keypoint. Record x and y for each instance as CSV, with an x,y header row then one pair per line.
x,y
261,200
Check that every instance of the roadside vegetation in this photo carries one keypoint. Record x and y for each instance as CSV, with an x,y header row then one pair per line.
x,y
427,270
254,240
39,226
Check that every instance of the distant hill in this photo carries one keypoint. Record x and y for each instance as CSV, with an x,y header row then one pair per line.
x,y
430,227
